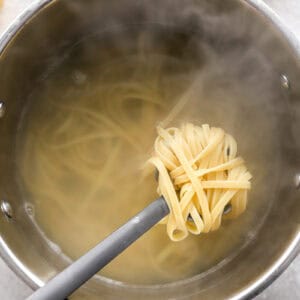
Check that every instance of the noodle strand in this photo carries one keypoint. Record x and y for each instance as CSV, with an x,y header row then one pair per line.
x,y
199,175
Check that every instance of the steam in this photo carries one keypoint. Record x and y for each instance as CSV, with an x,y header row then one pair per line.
x,y
222,55
228,59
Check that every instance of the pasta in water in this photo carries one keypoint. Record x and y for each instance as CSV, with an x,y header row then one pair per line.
x,y
199,175
82,146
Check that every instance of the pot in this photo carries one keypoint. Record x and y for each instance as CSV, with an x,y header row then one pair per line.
x,y
245,34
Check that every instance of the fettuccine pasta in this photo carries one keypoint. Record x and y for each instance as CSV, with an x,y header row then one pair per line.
x,y
199,175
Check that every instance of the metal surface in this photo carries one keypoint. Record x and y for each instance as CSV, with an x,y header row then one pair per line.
x,y
284,81
297,181
2,109
286,287
6,209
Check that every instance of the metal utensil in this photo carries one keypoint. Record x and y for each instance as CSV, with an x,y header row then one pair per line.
x,y
70,279
66,282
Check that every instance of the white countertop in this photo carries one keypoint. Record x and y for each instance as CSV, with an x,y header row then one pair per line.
x,y
286,287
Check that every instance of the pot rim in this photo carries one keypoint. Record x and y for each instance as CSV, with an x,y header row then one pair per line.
x,y
274,270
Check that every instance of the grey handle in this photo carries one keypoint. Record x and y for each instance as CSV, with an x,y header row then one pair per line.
x,y
70,279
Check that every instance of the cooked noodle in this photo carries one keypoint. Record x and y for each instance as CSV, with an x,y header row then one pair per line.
x,y
199,175
82,148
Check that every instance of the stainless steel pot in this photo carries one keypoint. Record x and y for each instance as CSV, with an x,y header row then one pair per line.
x,y
49,27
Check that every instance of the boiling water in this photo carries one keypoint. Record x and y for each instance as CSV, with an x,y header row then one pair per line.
x,y
90,127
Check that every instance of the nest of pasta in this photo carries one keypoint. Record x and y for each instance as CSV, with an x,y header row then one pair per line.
x,y
200,175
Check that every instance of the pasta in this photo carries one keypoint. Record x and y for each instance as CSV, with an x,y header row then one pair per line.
x,y
200,176
81,150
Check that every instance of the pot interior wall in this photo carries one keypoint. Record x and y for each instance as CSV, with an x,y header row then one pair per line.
x,y
237,58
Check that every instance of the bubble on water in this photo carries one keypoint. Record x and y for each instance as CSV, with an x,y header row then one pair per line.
x,y
79,77
29,208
